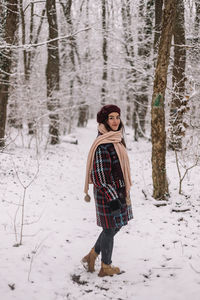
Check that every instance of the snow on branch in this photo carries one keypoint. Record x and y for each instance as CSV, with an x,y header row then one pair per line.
x,y
28,46
185,46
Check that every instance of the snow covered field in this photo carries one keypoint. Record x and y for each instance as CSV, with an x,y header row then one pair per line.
x,y
158,250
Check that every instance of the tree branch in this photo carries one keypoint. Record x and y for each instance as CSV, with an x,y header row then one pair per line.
x,y
28,46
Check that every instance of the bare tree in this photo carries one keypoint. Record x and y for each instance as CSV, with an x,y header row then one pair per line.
x,y
84,108
158,23
178,103
104,53
28,56
160,184
186,169
144,52
130,56
9,13
197,17
74,60
70,52
52,72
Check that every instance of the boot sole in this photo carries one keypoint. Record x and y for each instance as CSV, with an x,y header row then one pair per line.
x,y
103,275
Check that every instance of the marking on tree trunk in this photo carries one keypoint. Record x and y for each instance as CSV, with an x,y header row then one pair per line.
x,y
157,101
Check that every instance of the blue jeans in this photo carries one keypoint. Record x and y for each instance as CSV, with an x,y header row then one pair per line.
x,y
104,244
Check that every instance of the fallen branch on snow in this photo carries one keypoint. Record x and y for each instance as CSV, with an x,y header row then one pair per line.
x,y
70,140
180,209
160,204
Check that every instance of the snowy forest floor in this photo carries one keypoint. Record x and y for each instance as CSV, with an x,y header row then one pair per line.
x,y
158,250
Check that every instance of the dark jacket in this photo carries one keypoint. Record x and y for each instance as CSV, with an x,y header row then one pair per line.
x,y
109,186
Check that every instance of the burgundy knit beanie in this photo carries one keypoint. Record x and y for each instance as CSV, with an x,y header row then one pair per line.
x,y
102,115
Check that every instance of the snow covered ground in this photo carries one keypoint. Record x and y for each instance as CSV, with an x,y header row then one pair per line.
x,y
158,250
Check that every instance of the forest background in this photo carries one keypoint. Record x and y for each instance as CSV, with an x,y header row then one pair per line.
x,y
60,61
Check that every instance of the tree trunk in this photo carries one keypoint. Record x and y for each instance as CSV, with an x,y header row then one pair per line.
x,y
158,23
197,18
160,185
26,56
72,68
14,117
131,74
52,73
83,114
23,28
9,28
178,103
73,54
105,54
144,52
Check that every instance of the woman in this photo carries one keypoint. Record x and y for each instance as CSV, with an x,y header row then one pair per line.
x,y
109,171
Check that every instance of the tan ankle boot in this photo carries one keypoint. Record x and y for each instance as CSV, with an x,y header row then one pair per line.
x,y
88,261
108,270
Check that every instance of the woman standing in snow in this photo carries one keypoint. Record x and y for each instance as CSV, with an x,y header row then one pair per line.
x,y
109,170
